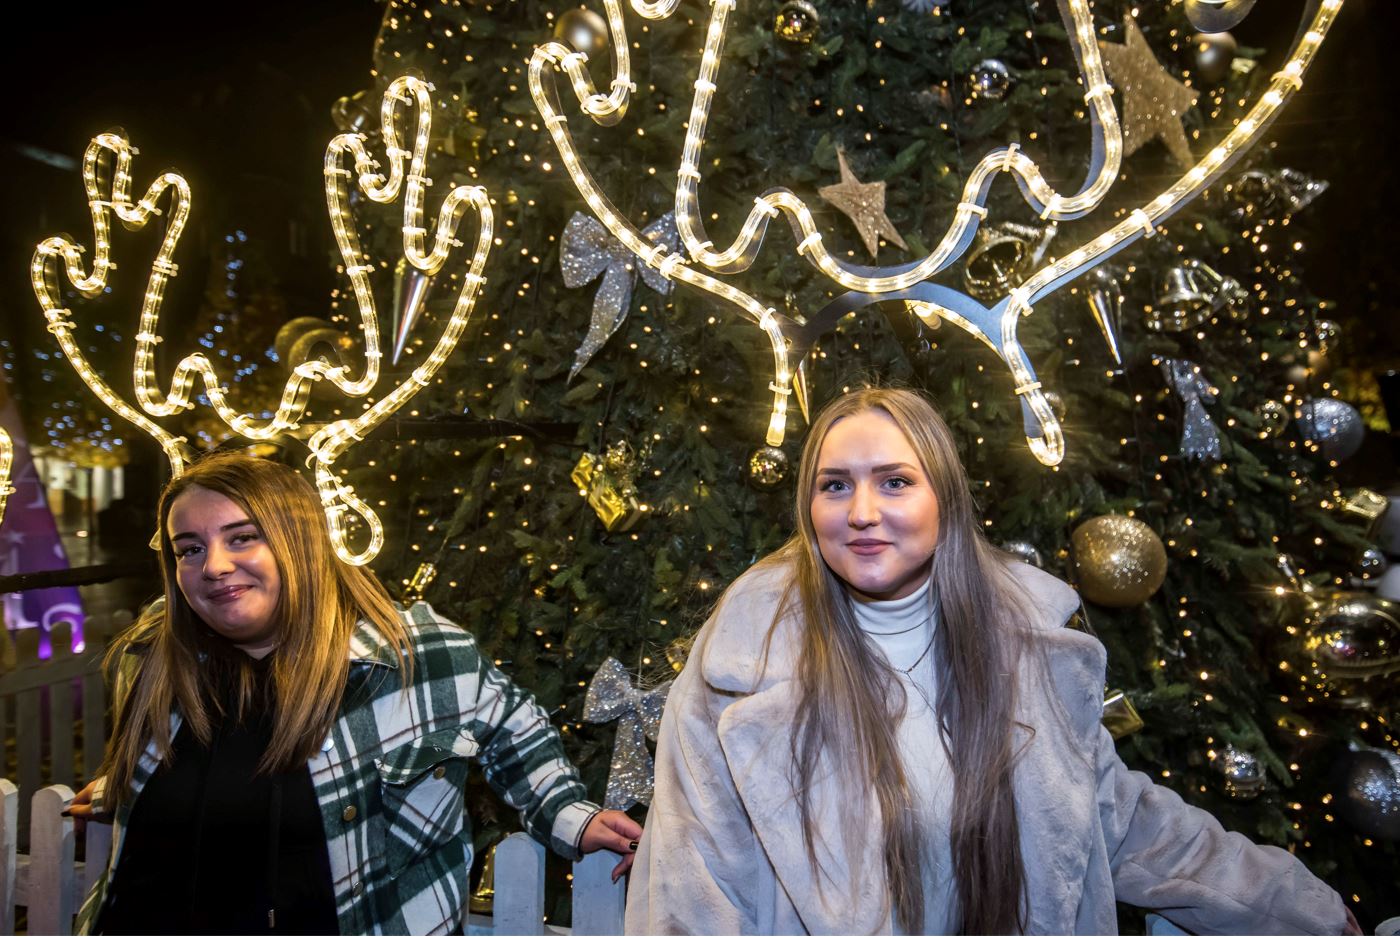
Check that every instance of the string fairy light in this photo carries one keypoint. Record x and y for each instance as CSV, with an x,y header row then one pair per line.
x,y
997,326
404,96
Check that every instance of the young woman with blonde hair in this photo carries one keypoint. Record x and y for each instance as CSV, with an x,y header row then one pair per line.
x,y
885,727
290,748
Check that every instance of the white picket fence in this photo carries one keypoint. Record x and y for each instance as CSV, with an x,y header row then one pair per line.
x,y
31,688
50,883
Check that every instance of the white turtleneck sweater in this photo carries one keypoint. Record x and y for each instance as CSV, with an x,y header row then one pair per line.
x,y
902,630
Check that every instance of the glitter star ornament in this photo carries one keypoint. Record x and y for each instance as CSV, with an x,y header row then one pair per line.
x,y
1153,101
864,204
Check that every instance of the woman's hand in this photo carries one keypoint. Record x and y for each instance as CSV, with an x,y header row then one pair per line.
x,y
1352,927
615,830
80,808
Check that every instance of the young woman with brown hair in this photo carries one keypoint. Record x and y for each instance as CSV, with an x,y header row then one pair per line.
x,y
290,749
884,726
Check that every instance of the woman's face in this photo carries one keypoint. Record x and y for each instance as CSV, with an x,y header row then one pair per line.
x,y
226,570
873,508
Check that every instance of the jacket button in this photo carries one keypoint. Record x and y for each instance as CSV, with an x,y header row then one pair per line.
x,y
439,772
349,813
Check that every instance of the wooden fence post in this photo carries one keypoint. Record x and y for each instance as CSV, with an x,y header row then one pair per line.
x,y
27,738
9,843
61,708
96,634
51,887
518,907
598,902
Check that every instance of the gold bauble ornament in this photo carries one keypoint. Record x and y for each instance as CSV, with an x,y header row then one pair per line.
x,y
797,21
329,344
288,334
768,466
1119,561
583,31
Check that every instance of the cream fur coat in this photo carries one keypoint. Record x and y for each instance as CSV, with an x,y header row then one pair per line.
x,y
723,851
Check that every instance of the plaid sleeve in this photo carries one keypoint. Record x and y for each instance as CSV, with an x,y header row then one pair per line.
x,y
524,761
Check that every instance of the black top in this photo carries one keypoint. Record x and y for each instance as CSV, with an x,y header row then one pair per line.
x,y
212,846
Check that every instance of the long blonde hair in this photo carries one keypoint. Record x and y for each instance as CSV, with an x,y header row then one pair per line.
x,y
851,701
321,601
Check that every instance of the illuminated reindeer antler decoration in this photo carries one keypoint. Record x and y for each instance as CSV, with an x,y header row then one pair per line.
x,y
7,460
329,442
995,325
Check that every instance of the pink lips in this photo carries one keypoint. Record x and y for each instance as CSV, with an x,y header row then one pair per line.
x,y
867,547
227,594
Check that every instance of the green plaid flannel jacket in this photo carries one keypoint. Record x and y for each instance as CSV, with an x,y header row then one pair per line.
x,y
391,776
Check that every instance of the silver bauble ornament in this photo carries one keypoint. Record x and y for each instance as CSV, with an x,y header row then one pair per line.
x,y
1334,425
797,21
1024,551
1212,54
1273,418
583,31
1213,16
1119,561
1354,636
1370,796
768,466
1372,564
989,81
1242,776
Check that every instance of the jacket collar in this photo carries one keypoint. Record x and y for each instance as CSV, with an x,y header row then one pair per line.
x,y
369,646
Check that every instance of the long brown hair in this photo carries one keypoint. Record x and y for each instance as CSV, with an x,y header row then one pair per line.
x,y
851,701
320,602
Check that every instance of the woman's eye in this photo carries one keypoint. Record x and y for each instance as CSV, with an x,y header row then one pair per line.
x,y
832,484
897,482
187,551
244,538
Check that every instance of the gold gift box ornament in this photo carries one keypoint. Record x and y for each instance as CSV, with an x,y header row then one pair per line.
x,y
607,482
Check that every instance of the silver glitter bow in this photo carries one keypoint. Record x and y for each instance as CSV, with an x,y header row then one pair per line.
x,y
1199,437
586,250
611,696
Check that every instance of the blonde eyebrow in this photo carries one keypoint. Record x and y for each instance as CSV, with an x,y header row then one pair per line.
x,y
891,467
185,534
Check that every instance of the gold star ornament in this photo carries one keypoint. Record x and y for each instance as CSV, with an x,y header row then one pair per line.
x,y
863,203
1153,101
